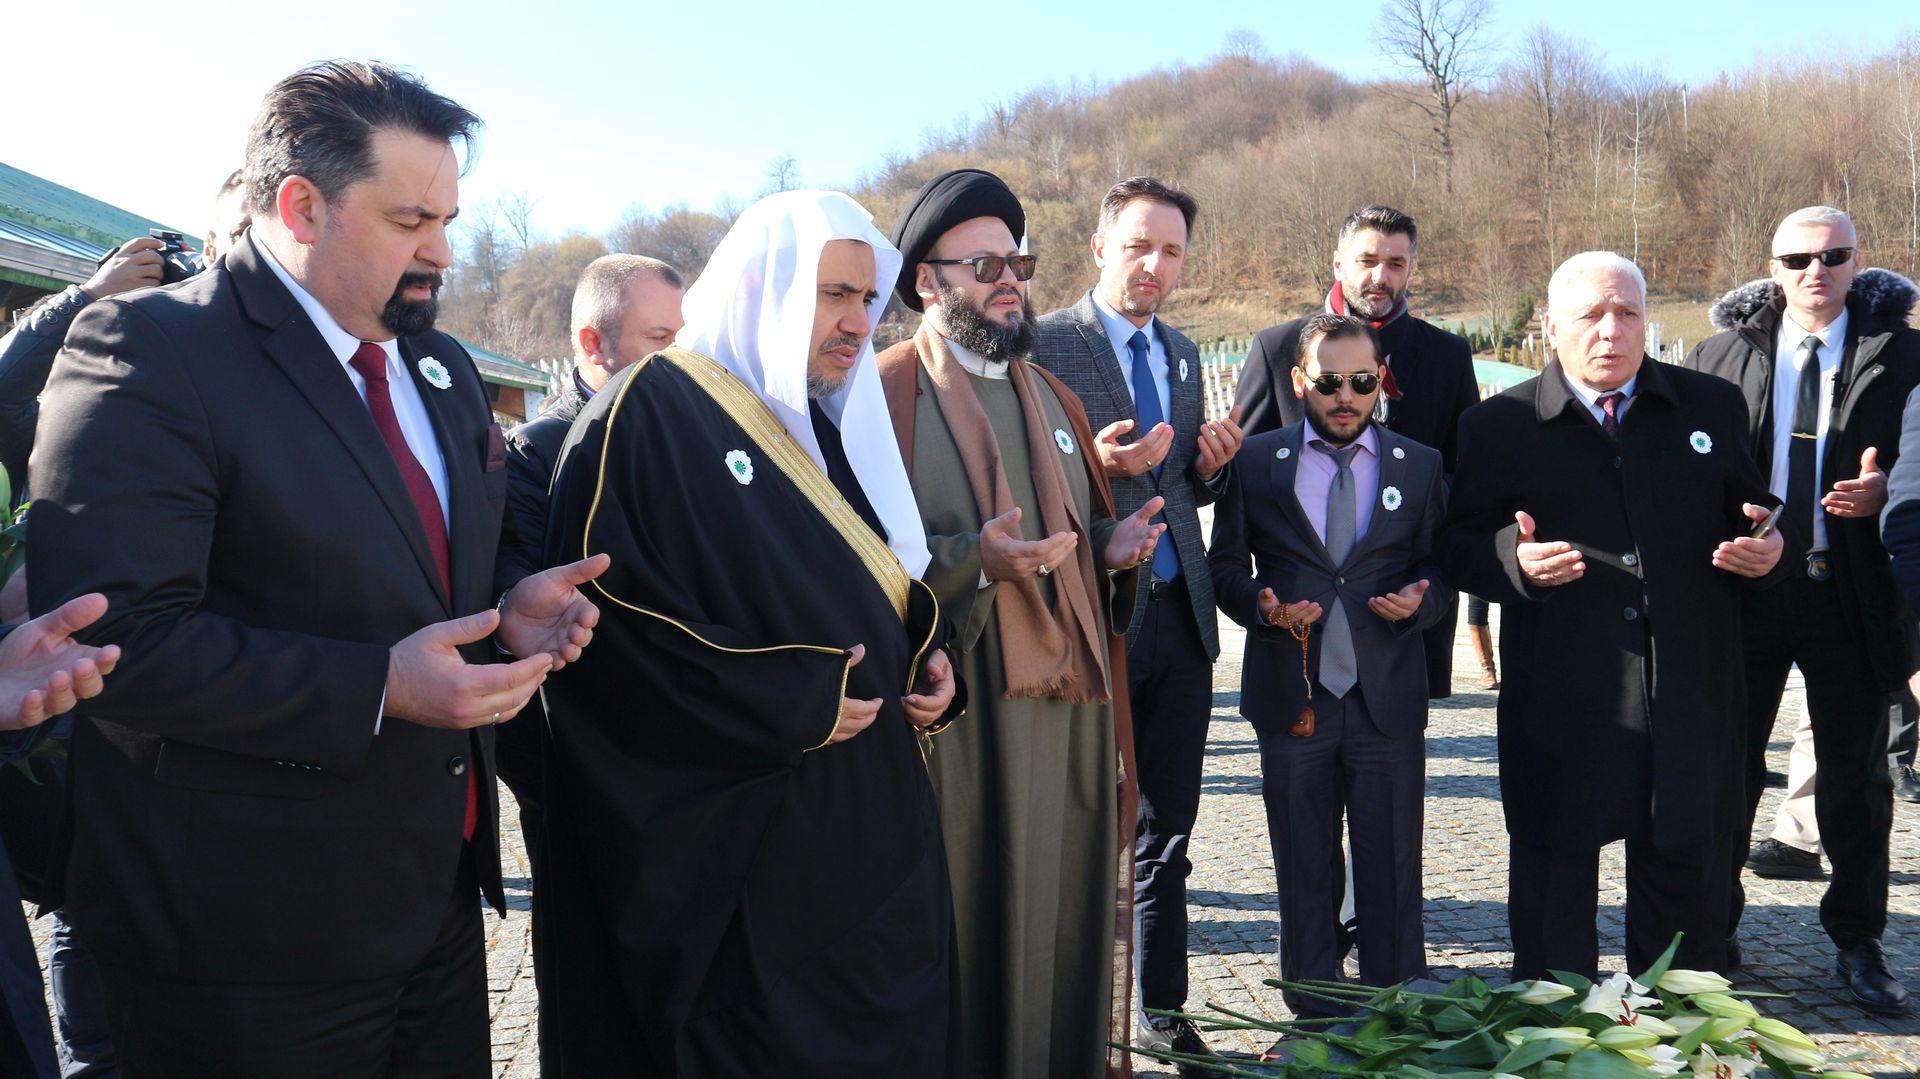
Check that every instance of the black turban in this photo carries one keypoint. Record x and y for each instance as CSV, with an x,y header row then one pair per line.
x,y
950,199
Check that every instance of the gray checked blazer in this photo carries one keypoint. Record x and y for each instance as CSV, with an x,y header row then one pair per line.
x,y
1072,343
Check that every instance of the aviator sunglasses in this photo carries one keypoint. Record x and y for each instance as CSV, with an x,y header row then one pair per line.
x,y
1801,260
987,268
1364,383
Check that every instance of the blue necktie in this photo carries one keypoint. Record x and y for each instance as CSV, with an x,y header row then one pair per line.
x,y
1146,403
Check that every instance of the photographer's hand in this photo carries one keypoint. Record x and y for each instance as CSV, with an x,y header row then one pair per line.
x,y
136,265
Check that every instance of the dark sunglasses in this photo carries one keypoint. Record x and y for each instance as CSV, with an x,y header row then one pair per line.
x,y
1363,382
1801,260
988,268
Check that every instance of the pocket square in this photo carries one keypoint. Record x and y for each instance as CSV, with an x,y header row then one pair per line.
x,y
496,448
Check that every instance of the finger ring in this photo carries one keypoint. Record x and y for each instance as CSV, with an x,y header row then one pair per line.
x,y
496,719
1044,570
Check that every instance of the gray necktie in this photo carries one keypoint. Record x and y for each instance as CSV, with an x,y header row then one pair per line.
x,y
1339,668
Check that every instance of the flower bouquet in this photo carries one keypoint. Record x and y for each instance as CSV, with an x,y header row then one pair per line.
x,y
1664,1022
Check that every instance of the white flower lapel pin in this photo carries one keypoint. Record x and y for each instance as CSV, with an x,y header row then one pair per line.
x,y
1390,498
1282,453
1063,440
741,466
436,373
1399,454
1183,370
1701,442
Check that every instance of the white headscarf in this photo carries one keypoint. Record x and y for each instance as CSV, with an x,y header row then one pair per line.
x,y
752,312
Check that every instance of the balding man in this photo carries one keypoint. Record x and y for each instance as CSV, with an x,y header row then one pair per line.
x,y
1606,504
1824,356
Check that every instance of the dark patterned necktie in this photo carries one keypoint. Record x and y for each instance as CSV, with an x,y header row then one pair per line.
x,y
1796,523
1610,418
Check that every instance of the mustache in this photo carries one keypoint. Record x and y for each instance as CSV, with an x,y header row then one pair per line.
x,y
843,341
432,280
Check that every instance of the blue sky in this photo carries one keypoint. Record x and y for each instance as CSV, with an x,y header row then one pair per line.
x,y
593,106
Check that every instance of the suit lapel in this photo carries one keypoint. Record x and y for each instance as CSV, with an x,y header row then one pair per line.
x,y
1393,473
464,494
1282,471
296,347
1094,331
1183,396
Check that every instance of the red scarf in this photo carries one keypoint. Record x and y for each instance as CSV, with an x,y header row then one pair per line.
x,y
1337,305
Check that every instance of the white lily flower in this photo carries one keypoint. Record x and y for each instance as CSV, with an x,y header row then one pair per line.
x,y
1689,982
1625,1037
1783,1033
1570,1038
1708,1064
1657,1025
1659,1059
1792,1054
1722,1004
1616,996
1542,992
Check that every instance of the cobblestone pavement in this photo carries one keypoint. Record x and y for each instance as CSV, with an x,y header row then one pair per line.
x,y
1233,920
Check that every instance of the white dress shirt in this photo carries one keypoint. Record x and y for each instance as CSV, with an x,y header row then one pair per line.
x,y
1786,394
1119,332
407,406
1592,397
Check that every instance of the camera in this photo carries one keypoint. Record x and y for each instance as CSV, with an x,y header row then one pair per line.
x,y
178,261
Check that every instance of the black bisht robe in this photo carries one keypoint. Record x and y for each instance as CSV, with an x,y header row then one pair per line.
x,y
728,894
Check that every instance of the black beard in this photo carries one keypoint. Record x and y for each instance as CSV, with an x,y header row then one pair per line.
x,y
1359,305
970,328
1319,425
407,317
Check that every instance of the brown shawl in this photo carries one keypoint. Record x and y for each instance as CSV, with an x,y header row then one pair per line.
x,y
1047,652
899,376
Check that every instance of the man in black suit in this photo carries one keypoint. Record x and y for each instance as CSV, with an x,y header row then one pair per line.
x,y
1825,359
1607,504
1330,524
1139,379
290,488
1429,372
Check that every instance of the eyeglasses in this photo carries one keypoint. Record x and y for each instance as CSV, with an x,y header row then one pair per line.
x,y
1363,383
988,268
1803,259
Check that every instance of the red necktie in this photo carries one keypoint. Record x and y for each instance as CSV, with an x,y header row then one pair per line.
x,y
371,361
1610,422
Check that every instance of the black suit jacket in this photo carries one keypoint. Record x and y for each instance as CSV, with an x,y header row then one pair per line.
x,y
1879,367
1622,699
204,460
533,450
1262,538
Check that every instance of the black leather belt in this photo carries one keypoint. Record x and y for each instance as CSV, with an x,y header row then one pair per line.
x,y
1159,589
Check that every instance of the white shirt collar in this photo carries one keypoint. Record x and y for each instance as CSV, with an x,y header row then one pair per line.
x,y
973,361
1119,329
343,344
1592,396
1831,338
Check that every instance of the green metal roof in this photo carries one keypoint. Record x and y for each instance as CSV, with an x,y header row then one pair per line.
x,y
31,200
497,368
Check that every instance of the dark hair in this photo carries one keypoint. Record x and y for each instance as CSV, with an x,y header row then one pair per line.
x,y
1146,187
319,123
1384,220
1328,327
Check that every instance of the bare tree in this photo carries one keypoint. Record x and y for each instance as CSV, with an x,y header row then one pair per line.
x,y
1645,95
1552,76
1903,121
783,174
1439,42
516,210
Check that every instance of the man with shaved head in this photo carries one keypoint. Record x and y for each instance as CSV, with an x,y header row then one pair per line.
x,y
1824,356
1607,505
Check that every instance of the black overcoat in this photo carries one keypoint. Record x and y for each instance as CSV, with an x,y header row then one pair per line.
x,y
1622,702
